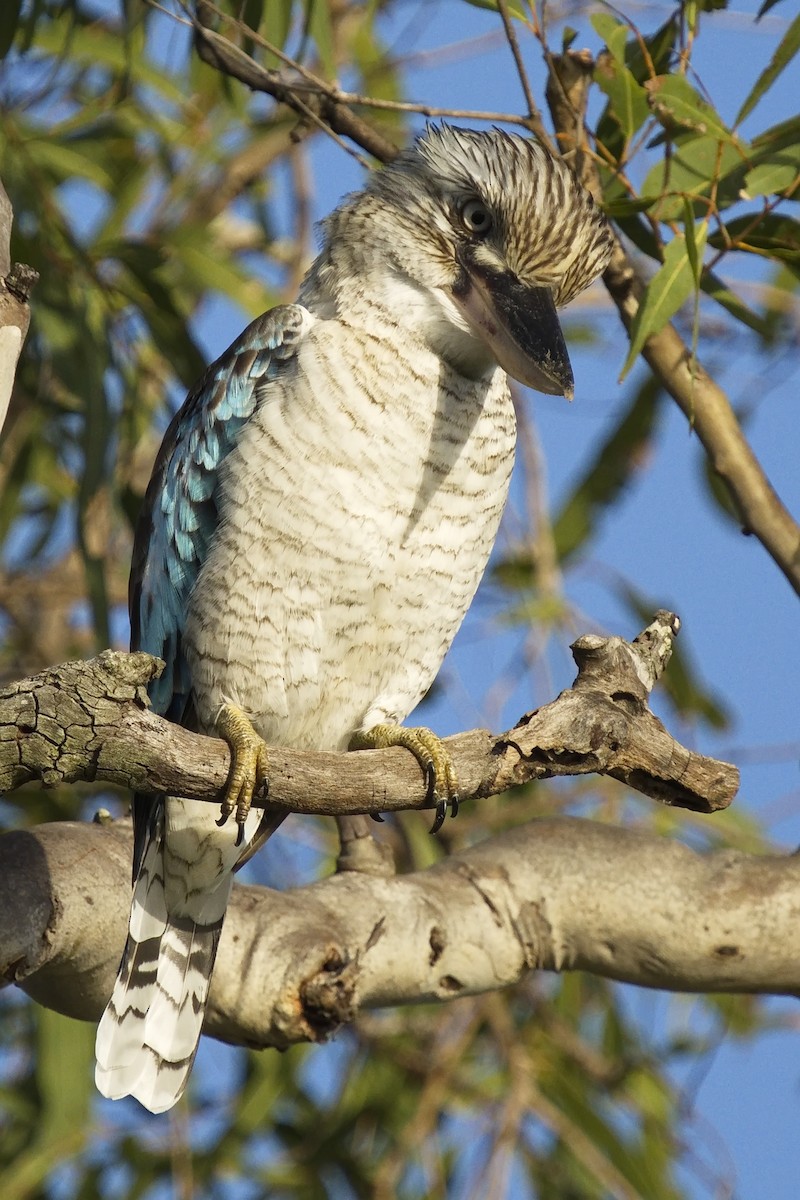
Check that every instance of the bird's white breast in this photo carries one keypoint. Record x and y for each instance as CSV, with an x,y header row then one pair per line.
x,y
358,511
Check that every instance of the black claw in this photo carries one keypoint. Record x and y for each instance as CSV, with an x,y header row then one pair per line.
x,y
223,819
377,817
441,813
240,833
454,806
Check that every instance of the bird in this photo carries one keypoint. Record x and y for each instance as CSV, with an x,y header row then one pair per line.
x,y
319,517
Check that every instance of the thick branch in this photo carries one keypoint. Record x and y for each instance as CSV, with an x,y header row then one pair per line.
x,y
89,721
554,895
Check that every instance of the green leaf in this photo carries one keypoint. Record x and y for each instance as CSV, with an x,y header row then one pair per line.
x,y
676,103
321,30
774,174
515,10
697,164
64,162
695,261
99,46
789,45
660,49
713,286
65,1050
669,288
782,136
627,99
613,32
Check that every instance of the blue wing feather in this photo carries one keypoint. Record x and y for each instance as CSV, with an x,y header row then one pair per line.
x,y
179,514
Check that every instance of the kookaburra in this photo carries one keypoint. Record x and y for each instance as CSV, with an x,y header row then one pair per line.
x,y
319,517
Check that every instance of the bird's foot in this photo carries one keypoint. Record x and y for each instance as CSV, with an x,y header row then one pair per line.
x,y
249,765
432,756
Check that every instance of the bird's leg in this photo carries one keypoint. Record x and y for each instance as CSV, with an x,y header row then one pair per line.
x,y
249,765
432,756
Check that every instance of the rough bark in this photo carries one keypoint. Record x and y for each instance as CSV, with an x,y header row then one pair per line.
x,y
89,721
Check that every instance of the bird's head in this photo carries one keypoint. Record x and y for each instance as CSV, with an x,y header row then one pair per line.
x,y
498,234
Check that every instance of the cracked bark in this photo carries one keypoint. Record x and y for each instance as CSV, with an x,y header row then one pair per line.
x,y
89,721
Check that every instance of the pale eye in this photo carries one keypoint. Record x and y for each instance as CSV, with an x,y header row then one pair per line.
x,y
476,217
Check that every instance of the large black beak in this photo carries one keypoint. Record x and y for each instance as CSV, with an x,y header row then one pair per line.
x,y
519,324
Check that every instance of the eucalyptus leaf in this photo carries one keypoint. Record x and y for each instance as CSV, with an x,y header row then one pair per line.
x,y
666,292
785,52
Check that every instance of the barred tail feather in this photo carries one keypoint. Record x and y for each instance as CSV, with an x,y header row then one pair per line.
x,y
148,1035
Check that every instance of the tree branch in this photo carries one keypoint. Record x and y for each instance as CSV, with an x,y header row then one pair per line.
x,y
294,967
89,721
553,895
218,52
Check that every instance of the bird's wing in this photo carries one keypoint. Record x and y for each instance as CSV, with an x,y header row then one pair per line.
x,y
180,514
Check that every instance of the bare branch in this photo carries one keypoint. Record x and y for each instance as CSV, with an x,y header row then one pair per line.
x,y
218,52
554,895
534,121
90,721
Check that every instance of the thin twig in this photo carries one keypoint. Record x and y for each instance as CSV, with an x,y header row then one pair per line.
x,y
534,121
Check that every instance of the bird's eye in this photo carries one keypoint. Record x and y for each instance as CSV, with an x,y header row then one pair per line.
x,y
476,217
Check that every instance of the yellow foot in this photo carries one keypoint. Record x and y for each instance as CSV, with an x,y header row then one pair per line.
x,y
249,765
430,753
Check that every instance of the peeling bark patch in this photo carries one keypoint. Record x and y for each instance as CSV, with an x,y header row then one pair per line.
x,y
437,943
449,983
727,951
474,880
376,933
534,933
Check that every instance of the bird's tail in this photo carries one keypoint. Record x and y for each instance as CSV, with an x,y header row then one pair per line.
x,y
148,1035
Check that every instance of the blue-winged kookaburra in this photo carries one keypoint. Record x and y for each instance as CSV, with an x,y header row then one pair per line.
x,y
320,514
